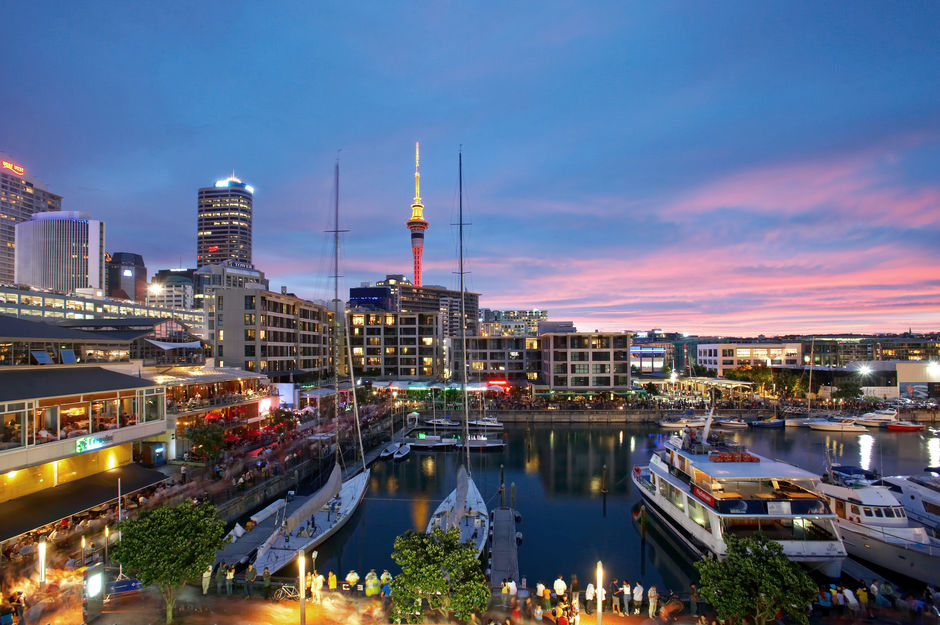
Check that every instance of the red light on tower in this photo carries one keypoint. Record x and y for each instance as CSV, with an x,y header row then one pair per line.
x,y
417,224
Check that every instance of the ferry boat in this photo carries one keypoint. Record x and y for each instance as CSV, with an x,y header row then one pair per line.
x,y
705,492
875,527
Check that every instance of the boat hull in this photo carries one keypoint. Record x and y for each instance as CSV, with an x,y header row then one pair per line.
x,y
916,563
475,526
283,554
837,427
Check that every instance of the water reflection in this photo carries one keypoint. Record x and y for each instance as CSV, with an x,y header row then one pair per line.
x,y
558,473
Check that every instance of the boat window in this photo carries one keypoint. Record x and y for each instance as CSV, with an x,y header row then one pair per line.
x,y
878,513
698,514
673,494
840,508
855,510
800,529
889,513
867,511
899,512
931,508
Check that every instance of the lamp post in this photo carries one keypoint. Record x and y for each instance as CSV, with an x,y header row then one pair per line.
x,y
83,551
301,565
107,533
600,588
42,565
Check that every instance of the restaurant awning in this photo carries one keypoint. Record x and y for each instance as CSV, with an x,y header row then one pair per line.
x,y
165,346
29,512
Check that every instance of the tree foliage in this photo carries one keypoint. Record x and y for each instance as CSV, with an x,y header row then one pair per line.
x,y
208,440
283,421
755,579
167,546
848,390
440,573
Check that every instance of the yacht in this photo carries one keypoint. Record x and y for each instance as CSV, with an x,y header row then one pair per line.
x,y
705,492
736,423
875,526
487,423
920,496
465,510
481,441
836,425
444,423
877,418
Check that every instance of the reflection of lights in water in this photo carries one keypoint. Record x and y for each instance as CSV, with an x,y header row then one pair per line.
x,y
933,451
532,464
621,437
427,466
632,443
392,485
551,439
419,513
595,485
866,442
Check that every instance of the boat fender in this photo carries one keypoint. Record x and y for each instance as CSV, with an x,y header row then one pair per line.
x,y
518,538
518,517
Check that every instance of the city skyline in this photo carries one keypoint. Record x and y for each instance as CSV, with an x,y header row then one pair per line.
x,y
717,169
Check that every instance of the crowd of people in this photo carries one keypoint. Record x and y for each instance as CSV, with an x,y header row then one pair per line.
x,y
871,600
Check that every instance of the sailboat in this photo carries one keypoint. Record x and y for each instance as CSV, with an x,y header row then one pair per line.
x,y
464,508
309,521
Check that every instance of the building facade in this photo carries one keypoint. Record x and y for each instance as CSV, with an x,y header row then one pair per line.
x,y
390,345
60,250
586,361
515,359
278,334
126,276
20,198
724,356
408,298
224,216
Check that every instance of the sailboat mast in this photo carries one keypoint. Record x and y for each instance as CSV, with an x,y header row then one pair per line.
x,y
463,315
335,342
809,391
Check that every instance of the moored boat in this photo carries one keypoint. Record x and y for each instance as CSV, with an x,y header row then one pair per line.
x,y
920,496
904,426
464,509
389,450
486,423
771,423
837,425
705,492
402,452
876,419
735,423
683,422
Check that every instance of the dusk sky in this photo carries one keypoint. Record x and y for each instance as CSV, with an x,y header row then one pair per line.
x,y
708,167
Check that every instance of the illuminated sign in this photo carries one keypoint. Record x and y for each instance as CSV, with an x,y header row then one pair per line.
x,y
91,443
701,494
16,169
213,248
128,273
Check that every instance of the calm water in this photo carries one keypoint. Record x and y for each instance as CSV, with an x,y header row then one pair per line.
x,y
566,525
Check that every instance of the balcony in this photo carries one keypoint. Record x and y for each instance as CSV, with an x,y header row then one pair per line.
x,y
229,399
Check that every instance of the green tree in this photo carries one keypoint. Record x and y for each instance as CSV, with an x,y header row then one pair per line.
x,y
208,440
755,579
440,572
283,421
651,389
167,546
848,390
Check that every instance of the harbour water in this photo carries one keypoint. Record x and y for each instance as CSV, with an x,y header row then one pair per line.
x,y
568,523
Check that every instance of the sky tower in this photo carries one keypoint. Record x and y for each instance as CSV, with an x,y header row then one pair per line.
x,y
417,224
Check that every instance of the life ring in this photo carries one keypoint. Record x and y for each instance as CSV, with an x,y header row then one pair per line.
x,y
637,470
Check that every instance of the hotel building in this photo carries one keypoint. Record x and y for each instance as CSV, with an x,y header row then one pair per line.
x,y
224,215
60,250
20,198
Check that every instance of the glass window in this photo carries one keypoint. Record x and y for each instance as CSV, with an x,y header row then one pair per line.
x,y
13,421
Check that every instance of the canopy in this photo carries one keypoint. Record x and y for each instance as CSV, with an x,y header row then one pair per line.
x,y
315,501
163,345
460,500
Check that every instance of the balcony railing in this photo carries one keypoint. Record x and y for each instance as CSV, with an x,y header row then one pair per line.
x,y
230,399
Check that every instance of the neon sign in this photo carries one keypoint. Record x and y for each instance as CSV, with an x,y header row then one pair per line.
x,y
91,443
16,169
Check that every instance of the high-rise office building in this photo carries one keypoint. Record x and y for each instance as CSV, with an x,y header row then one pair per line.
x,y
127,276
20,198
60,250
224,223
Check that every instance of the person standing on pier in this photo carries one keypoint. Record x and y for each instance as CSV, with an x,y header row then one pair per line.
x,y
220,578
560,589
547,599
588,597
616,594
229,580
653,597
318,586
206,578
637,597
250,576
266,583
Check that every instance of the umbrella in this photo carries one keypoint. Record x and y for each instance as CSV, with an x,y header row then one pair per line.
x,y
253,434
231,438
212,416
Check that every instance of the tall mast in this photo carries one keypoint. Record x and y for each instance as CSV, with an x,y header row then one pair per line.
x,y
335,342
463,317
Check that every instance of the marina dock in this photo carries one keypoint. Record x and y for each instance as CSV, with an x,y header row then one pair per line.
x,y
504,555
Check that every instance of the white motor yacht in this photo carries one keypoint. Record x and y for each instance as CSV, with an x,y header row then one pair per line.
x,y
877,418
487,423
836,425
705,492
875,527
920,496
684,422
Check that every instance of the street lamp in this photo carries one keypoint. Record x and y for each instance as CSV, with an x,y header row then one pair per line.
x,y
301,564
107,533
600,588
42,564
83,551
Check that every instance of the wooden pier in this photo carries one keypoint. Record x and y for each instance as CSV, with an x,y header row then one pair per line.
x,y
504,555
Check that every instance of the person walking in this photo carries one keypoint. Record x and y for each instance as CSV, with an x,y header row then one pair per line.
x,y
206,578
637,597
318,586
266,583
653,597
250,576
19,606
220,578
693,600
229,579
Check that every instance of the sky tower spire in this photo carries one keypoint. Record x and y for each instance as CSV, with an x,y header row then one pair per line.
x,y
417,224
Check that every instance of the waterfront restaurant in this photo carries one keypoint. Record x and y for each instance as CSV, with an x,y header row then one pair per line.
x,y
68,428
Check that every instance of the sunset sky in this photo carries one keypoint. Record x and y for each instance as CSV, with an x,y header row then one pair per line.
x,y
707,167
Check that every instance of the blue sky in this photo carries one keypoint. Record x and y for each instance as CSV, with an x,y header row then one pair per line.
x,y
726,168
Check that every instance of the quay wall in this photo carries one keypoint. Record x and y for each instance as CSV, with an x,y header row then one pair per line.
x,y
652,416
